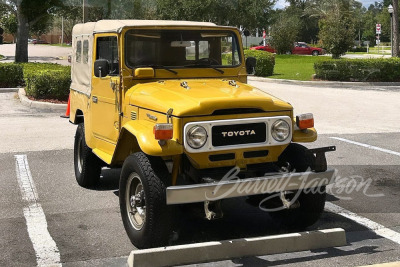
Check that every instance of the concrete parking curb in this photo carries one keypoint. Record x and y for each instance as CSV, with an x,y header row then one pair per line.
x,y
323,83
39,105
388,264
8,90
238,248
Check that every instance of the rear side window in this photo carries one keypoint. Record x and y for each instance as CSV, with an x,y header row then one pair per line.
x,y
85,51
78,55
107,48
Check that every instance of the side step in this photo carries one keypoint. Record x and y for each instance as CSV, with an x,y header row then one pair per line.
x,y
237,248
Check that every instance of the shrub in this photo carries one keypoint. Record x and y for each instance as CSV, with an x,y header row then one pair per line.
x,y
364,70
285,32
42,83
265,62
358,49
11,75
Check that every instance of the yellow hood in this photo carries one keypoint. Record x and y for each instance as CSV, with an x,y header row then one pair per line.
x,y
202,97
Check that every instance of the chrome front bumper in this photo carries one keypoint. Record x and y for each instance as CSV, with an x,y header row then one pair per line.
x,y
247,187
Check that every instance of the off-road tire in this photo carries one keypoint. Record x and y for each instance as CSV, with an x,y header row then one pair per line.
x,y
157,226
312,201
87,165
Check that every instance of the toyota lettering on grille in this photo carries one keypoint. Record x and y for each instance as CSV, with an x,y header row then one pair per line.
x,y
239,133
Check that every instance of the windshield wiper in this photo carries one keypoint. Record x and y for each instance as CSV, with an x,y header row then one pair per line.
x,y
195,65
158,67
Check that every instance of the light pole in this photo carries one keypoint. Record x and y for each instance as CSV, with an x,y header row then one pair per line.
x,y
62,30
83,11
390,10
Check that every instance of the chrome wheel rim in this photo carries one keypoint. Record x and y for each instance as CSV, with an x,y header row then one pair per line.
x,y
135,201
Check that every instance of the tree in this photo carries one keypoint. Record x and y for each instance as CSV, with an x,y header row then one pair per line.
x,y
308,28
10,23
28,13
285,32
42,26
248,13
336,23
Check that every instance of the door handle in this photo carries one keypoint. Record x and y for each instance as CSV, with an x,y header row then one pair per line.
x,y
94,99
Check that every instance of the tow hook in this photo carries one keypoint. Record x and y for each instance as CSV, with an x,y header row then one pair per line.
x,y
213,210
287,204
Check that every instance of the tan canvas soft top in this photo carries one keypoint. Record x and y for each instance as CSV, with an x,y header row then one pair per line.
x,y
117,25
82,44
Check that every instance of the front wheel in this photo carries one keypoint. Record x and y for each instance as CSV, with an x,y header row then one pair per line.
x,y
87,165
315,53
310,202
142,197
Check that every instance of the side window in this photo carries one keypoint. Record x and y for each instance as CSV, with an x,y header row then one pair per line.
x,y
85,51
78,55
107,48
204,51
230,51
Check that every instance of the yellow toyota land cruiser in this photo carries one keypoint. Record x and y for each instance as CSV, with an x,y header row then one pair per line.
x,y
168,101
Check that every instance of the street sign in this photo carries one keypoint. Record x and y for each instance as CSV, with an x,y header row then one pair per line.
x,y
378,29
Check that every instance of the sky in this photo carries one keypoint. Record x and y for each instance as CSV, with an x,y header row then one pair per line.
x,y
366,3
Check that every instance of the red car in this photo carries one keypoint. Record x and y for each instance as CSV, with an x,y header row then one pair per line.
x,y
300,48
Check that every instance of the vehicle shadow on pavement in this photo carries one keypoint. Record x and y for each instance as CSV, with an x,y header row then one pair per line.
x,y
239,223
242,220
318,255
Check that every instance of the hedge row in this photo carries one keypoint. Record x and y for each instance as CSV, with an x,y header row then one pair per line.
x,y
265,62
360,70
11,75
41,80
359,49
48,84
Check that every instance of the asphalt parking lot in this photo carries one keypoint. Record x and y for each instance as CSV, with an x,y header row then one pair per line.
x,y
84,227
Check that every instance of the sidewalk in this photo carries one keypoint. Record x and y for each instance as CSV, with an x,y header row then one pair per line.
x,y
380,86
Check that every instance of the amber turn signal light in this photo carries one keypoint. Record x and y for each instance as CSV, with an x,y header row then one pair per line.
x,y
305,121
163,131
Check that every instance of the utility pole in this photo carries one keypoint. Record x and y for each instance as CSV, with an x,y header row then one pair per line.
x,y
83,11
390,10
62,30
395,28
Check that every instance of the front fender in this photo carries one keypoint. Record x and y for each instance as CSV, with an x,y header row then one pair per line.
x,y
138,136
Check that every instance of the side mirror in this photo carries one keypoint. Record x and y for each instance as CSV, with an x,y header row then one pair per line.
x,y
101,68
251,64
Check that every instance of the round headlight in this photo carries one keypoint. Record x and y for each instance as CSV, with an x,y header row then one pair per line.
x,y
196,137
280,130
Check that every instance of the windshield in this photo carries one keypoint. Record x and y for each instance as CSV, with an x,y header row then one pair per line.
x,y
181,48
